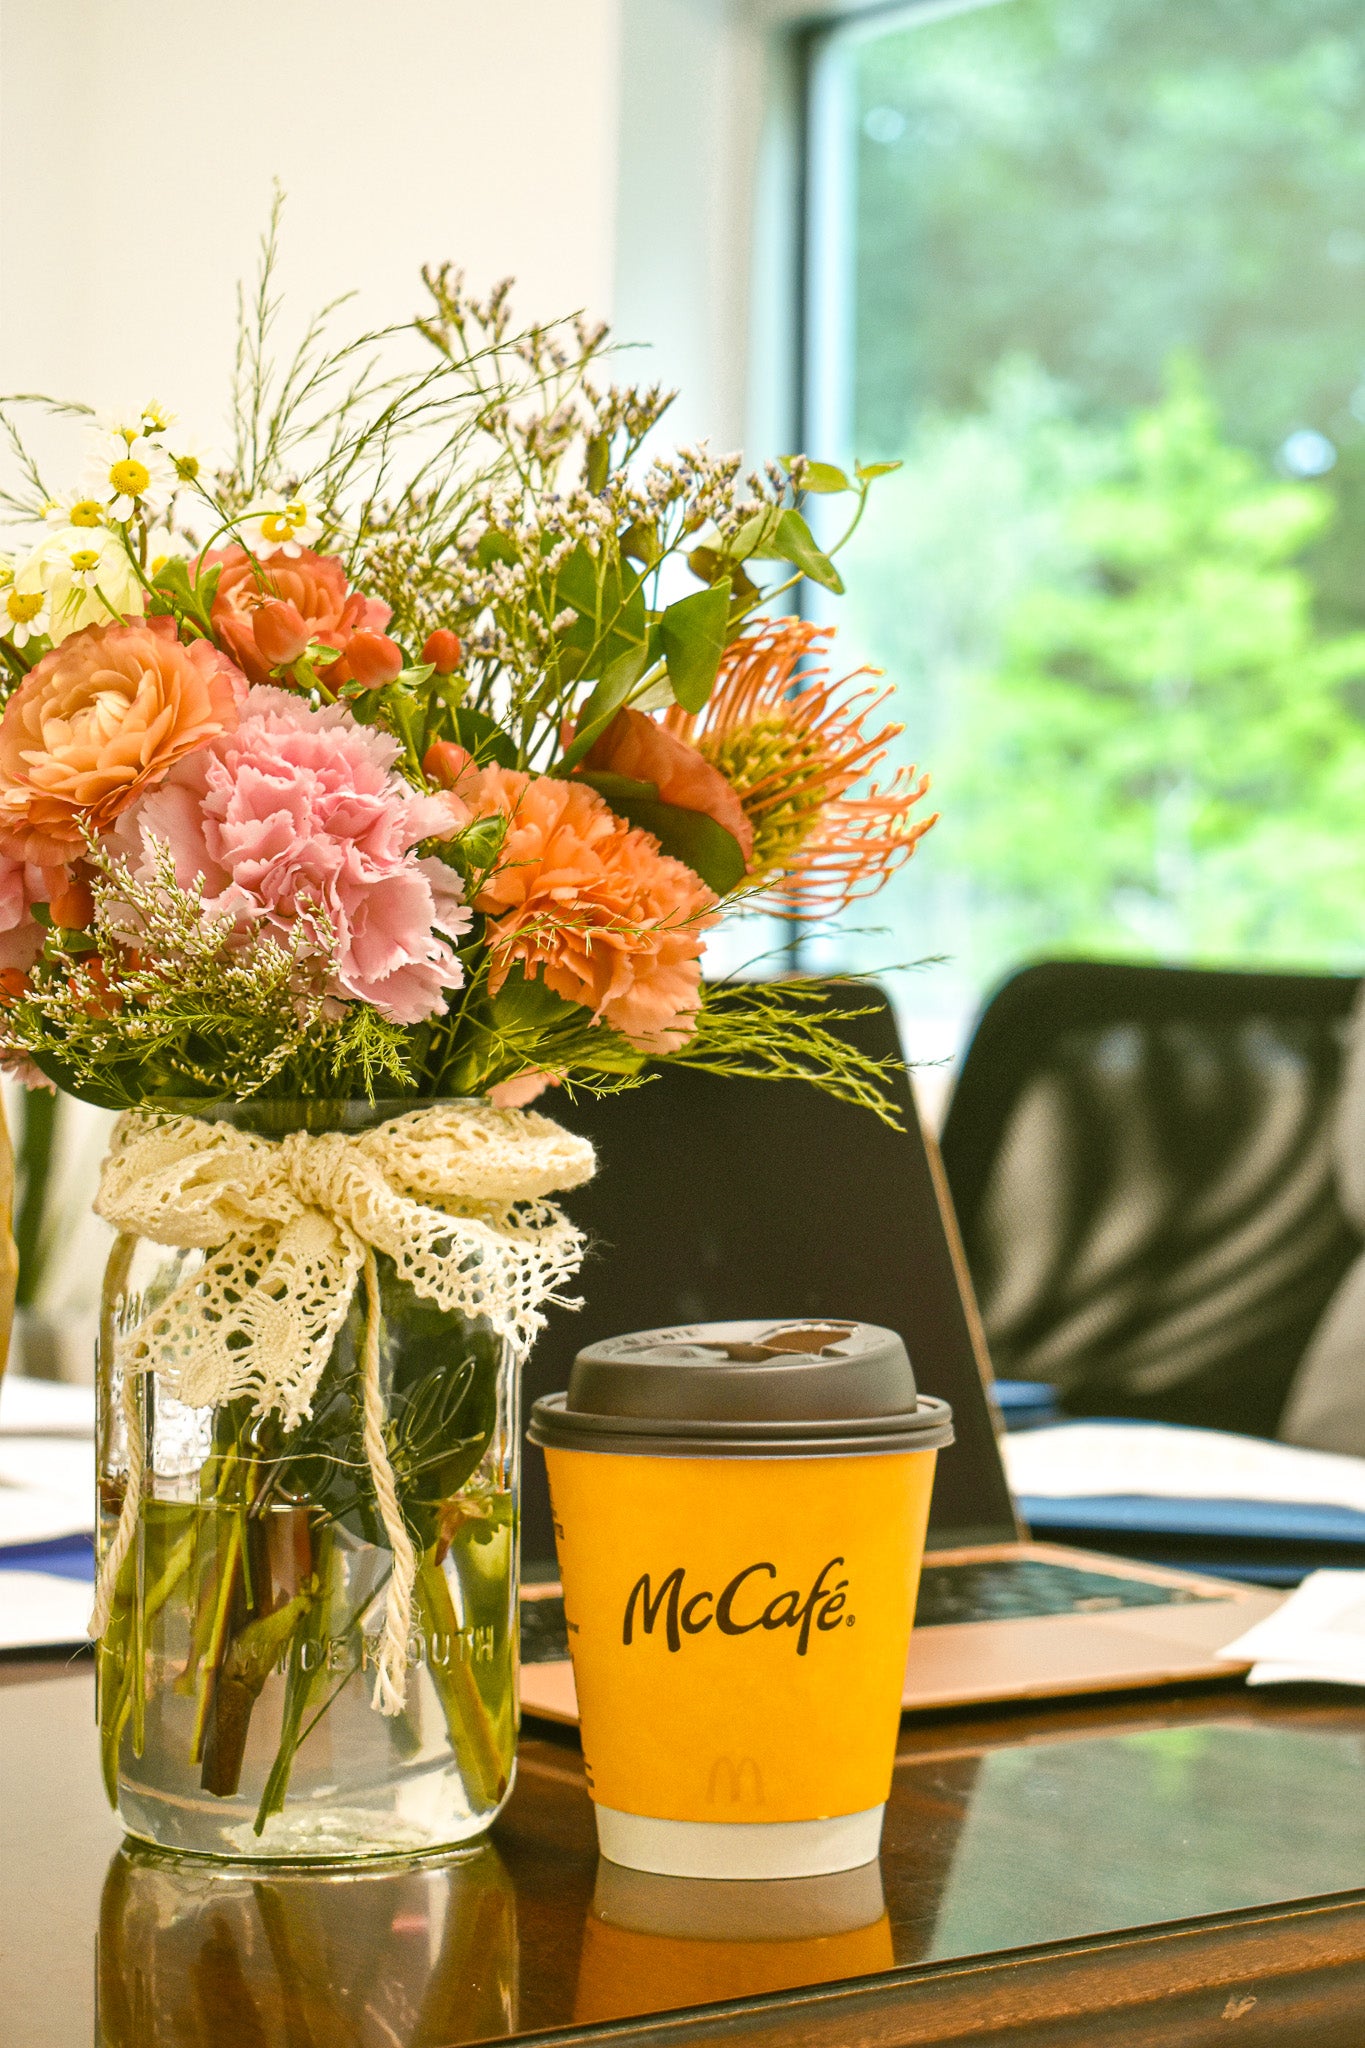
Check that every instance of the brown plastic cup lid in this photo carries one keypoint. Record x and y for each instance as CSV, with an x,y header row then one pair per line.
x,y
801,1388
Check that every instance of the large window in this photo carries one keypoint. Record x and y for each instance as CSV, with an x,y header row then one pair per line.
x,y
1094,272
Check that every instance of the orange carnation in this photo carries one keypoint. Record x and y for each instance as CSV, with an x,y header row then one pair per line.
x,y
315,585
591,904
99,721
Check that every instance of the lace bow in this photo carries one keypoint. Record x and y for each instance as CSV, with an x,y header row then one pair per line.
x,y
453,1194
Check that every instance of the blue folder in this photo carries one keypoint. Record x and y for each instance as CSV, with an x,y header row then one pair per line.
x,y
66,1557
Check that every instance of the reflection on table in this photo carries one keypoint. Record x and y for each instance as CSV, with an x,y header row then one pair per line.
x,y
651,1941
1003,1832
190,1954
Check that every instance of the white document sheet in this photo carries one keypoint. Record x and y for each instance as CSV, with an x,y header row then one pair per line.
x,y
39,1611
1070,1460
45,1408
1319,1633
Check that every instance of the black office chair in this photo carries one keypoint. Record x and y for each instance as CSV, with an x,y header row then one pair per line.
x,y
1140,1161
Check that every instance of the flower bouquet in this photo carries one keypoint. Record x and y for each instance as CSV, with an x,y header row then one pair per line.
x,y
353,792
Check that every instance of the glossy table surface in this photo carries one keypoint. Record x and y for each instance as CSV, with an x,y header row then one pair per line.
x,y
1022,1849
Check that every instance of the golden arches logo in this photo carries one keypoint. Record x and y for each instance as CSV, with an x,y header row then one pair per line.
x,y
738,1779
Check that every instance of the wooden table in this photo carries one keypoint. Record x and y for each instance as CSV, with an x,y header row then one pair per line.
x,y
1182,1868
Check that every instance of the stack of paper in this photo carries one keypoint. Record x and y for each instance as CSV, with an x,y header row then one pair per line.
x,y
47,1512
1318,1634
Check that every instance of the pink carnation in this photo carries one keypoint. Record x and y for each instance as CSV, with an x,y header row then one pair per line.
x,y
300,809
21,936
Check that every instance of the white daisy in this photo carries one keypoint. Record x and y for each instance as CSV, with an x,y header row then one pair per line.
x,y
83,513
130,475
281,526
189,458
124,421
23,611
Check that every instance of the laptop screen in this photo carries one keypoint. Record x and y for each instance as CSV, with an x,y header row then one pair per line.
x,y
719,1198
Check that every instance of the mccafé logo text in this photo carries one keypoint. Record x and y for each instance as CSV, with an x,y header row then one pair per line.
x,y
736,1610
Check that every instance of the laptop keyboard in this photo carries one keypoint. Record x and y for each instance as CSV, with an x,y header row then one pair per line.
x,y
544,1638
990,1589
1025,1588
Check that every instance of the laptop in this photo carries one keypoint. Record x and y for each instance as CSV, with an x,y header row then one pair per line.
x,y
723,1198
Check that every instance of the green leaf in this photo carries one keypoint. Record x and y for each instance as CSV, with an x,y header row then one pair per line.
x,y
822,477
193,600
404,716
792,541
483,737
494,547
529,1008
867,472
689,836
475,850
657,697
610,605
604,703
598,464
640,542
756,537
692,634
707,564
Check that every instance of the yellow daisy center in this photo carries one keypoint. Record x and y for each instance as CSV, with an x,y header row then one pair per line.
x,y
130,478
186,468
87,512
85,558
278,526
23,605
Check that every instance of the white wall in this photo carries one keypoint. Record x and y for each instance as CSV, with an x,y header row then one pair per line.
x,y
140,141
608,153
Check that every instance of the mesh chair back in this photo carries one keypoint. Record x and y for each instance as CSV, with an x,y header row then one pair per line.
x,y
1140,1158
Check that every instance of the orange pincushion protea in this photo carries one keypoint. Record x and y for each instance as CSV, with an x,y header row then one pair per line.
x,y
792,743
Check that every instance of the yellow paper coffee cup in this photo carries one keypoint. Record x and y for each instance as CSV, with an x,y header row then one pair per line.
x,y
740,1513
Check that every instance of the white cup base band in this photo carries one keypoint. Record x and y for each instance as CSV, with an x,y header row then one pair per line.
x,y
704,1848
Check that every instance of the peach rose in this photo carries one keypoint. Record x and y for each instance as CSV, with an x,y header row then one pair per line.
x,y
635,746
589,903
315,585
98,722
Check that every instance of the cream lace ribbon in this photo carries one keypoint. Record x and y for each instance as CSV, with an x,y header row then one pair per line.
x,y
453,1194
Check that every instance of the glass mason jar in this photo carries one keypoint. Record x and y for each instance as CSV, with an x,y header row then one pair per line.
x,y
236,1676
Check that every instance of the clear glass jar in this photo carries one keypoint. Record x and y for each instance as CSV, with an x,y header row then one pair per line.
x,y
236,1676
